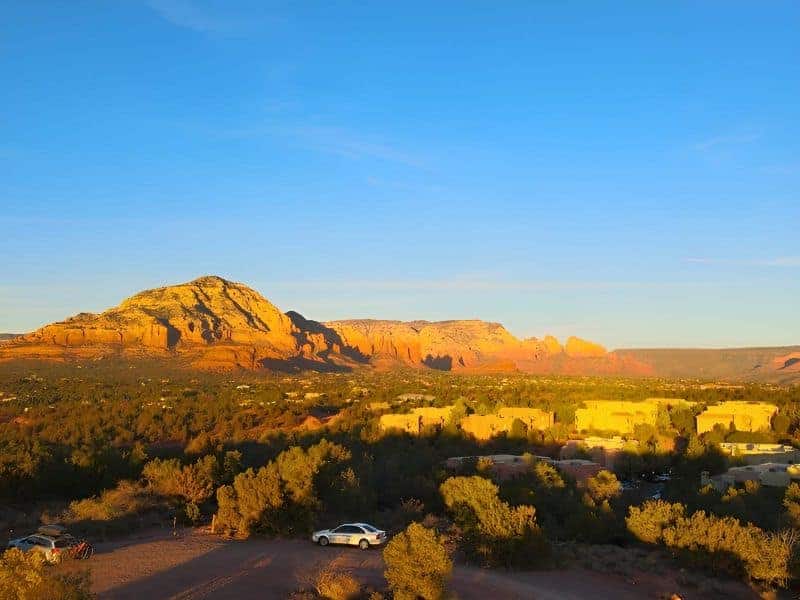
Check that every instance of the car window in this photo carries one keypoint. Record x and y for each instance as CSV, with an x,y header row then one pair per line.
x,y
370,528
39,541
354,529
62,543
338,529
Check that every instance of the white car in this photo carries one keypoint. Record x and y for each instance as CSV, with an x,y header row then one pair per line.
x,y
362,535
52,547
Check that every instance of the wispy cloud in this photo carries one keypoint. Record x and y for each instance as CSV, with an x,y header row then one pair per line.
x,y
328,139
782,169
191,15
343,142
477,285
726,140
780,261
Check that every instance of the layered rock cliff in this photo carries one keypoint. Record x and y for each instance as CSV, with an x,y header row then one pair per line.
x,y
471,345
212,322
218,324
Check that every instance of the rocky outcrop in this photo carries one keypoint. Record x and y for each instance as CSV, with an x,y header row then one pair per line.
x,y
472,345
578,348
213,323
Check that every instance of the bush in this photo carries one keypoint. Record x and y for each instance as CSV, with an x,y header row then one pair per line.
x,y
417,564
719,542
336,584
127,499
24,576
494,530
282,497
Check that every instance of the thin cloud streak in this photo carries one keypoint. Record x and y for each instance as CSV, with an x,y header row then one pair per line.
x,y
189,15
726,140
781,261
433,285
335,140
326,139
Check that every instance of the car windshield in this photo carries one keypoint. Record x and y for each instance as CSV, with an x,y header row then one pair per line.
x,y
369,528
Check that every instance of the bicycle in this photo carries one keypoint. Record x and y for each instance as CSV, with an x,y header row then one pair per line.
x,y
82,551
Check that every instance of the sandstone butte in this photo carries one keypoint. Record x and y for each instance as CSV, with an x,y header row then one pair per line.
x,y
212,323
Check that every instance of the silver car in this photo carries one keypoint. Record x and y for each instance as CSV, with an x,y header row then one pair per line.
x,y
362,535
53,548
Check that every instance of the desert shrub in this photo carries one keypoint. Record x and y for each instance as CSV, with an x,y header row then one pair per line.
x,y
417,564
193,483
602,488
647,522
791,502
127,499
719,542
283,496
493,529
24,576
336,584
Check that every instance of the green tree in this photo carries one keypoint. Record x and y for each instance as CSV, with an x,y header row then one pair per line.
x,y
24,576
602,488
417,564
494,530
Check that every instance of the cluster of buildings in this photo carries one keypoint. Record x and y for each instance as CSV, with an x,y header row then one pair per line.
x,y
771,465
482,427
743,416
603,451
508,466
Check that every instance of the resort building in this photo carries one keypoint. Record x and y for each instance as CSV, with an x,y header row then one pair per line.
x,y
484,427
603,451
755,454
615,415
742,416
417,420
766,474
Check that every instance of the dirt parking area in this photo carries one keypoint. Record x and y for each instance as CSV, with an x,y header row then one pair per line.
x,y
155,565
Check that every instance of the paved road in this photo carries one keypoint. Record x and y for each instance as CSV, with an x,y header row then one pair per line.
x,y
197,565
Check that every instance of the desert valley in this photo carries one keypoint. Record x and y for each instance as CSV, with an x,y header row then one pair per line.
x,y
399,301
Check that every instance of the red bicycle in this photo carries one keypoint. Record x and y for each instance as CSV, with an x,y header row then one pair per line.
x,y
83,550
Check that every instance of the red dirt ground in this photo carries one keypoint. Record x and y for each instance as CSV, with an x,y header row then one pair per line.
x,y
154,565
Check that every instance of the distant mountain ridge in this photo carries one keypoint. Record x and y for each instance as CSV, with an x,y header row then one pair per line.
x,y
780,364
213,323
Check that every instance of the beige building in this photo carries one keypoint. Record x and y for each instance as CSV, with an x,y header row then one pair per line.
x,y
603,451
754,454
616,415
743,416
417,420
534,418
484,427
766,474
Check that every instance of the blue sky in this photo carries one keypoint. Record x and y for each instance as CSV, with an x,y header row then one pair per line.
x,y
624,171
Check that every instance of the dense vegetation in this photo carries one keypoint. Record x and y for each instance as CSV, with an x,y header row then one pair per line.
x,y
110,447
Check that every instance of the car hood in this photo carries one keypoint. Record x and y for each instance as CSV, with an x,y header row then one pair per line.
x,y
322,531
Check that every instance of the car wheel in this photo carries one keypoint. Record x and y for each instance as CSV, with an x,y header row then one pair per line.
x,y
323,541
363,544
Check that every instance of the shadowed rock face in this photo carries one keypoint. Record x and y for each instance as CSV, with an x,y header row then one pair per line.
x,y
213,323
472,345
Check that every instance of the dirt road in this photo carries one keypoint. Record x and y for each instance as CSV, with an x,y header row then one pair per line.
x,y
196,565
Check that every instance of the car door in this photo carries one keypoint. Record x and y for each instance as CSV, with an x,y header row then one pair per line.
x,y
344,533
354,534
338,535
